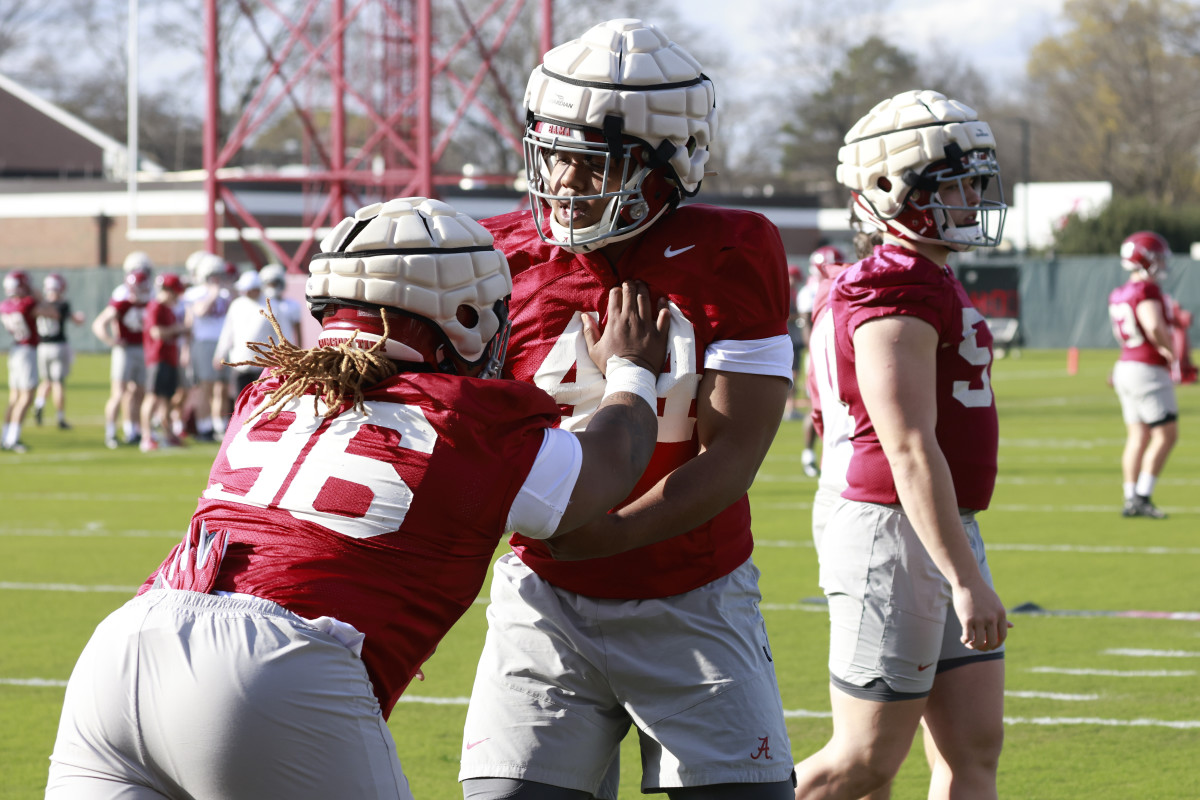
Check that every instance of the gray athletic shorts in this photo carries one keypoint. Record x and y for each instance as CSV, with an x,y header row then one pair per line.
x,y
200,364
22,367
562,676
254,703
1147,393
892,624
824,501
128,365
54,361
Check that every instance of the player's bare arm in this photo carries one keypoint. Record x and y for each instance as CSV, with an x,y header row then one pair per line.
x,y
101,326
902,408
620,438
737,415
1151,317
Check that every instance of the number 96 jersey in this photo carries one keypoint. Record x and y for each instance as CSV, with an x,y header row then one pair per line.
x,y
386,520
895,281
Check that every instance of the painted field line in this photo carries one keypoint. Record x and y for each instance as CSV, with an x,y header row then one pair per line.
x,y
789,713
1098,549
67,587
1151,653
1031,548
95,497
1013,508
88,532
1070,698
1061,444
1181,724
1117,673
1177,616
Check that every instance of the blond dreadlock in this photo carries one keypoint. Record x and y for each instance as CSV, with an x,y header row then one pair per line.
x,y
332,371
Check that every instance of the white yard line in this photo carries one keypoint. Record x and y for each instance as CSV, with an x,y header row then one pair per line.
x,y
1151,653
1070,698
1184,724
1117,673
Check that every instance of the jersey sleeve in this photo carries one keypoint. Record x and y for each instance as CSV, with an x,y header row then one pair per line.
x,y
867,293
748,294
543,498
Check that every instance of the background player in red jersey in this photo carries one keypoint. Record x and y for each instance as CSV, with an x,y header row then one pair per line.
x,y
916,628
349,520
18,313
667,637
119,326
1142,376
162,334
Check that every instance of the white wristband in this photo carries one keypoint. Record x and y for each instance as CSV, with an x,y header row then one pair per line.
x,y
623,375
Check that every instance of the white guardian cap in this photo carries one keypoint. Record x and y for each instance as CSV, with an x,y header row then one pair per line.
x,y
897,157
433,270
628,97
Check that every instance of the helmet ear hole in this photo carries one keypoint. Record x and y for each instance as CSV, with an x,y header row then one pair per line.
x,y
884,184
467,315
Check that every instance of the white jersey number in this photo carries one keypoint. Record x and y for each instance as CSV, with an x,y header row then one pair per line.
x,y
677,386
978,356
1125,326
327,463
16,325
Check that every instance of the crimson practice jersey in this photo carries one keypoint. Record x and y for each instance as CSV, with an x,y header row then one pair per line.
x,y
386,521
18,315
129,317
725,275
1122,310
895,281
163,350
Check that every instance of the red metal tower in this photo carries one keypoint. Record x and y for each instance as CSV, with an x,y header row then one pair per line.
x,y
408,80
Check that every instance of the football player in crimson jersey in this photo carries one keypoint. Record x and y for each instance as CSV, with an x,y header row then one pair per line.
x,y
119,326
350,517
1142,376
668,636
916,630
18,314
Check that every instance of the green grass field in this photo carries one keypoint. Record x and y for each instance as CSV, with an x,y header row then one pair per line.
x,y
1101,702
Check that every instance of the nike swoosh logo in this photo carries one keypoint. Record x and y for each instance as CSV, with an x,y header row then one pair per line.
x,y
923,667
476,744
671,253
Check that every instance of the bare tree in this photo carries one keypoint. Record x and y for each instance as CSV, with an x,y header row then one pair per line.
x,y
1116,98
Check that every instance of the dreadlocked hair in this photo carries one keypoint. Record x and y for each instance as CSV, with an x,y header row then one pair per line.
x,y
332,371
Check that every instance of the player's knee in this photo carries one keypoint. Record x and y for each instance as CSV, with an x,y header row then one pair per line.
x,y
975,749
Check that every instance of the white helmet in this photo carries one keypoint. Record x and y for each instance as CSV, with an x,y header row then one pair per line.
x,y
433,269
625,93
209,266
192,265
137,259
899,154
54,282
272,274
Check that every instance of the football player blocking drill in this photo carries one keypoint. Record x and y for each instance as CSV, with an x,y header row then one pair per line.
x,y
668,637
350,517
